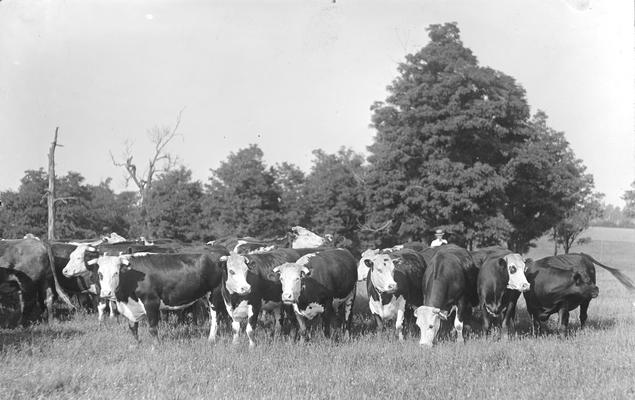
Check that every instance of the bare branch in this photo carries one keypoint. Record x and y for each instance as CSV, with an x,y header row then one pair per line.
x,y
368,228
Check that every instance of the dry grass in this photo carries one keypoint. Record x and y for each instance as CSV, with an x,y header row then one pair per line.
x,y
79,359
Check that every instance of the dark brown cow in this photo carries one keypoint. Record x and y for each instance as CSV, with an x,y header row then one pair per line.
x,y
560,284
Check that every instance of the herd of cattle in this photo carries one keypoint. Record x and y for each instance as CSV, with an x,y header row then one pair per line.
x,y
295,280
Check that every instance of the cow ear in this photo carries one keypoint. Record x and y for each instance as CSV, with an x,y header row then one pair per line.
x,y
577,278
277,269
396,261
502,263
528,261
305,272
223,258
368,263
443,315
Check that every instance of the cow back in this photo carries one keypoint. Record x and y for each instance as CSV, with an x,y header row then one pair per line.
x,y
335,270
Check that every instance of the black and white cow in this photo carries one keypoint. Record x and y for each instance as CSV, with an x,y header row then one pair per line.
x,y
142,285
320,283
449,286
250,286
501,279
394,285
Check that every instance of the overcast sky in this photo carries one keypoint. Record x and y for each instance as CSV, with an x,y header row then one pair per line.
x,y
290,76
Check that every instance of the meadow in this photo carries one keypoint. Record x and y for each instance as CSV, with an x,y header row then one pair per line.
x,y
77,358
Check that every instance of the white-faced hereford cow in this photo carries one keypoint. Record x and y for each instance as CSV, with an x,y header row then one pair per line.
x,y
394,286
320,283
449,286
501,279
302,238
250,285
142,285
560,284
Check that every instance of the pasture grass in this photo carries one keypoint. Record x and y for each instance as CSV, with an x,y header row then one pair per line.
x,y
78,358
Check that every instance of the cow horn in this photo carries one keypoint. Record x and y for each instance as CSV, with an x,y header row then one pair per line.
x,y
223,258
91,249
125,261
93,261
306,270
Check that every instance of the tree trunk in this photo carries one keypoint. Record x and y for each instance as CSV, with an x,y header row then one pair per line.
x,y
555,242
51,191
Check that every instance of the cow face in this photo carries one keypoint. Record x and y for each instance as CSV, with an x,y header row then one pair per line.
x,y
108,272
76,261
583,285
237,267
304,238
515,266
429,321
382,269
291,275
362,268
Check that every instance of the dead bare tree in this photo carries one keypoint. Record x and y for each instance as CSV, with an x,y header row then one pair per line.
x,y
159,162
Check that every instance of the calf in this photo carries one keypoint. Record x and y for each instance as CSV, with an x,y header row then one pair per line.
x,y
144,284
320,283
449,286
394,286
560,284
500,281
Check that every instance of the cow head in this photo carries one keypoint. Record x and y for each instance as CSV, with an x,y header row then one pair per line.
x,y
362,268
515,266
583,284
291,275
237,267
304,238
77,260
109,269
429,321
382,270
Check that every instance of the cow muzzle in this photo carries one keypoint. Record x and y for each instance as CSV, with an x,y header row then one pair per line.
x,y
287,298
595,291
525,287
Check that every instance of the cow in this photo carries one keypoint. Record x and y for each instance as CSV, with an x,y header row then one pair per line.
x,y
83,286
249,286
33,258
394,286
13,284
449,287
501,279
246,245
320,283
143,284
302,238
559,284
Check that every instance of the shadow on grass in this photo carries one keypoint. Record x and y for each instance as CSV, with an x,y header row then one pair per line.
x,y
36,333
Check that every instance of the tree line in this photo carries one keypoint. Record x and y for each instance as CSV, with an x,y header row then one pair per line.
x,y
455,149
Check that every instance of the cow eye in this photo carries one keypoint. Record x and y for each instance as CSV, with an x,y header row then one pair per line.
x,y
231,272
100,275
512,269
430,326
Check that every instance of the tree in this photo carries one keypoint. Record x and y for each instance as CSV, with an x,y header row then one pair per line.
x,y
24,210
174,206
334,195
577,220
242,197
290,182
629,198
545,182
160,162
443,136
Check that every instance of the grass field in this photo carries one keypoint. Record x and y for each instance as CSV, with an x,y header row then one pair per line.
x,y
78,359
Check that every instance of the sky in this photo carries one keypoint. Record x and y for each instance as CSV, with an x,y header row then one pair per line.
x,y
289,76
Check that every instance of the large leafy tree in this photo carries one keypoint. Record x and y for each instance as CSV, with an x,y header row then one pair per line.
x,y
174,206
444,133
546,182
243,199
335,195
83,211
290,181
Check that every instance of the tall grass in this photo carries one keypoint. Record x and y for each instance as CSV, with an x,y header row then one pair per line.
x,y
79,359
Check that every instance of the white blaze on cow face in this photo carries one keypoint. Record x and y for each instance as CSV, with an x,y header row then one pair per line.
x,y
237,273
76,265
516,269
304,238
109,268
382,269
428,321
362,268
291,275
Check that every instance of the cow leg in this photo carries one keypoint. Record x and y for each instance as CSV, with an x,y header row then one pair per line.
x,y
153,313
301,327
584,306
563,320
458,323
399,322
112,305
252,319
379,323
48,302
348,313
134,329
101,307
213,323
486,320
327,318
277,321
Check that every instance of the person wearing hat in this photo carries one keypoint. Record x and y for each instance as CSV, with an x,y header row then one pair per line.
x,y
438,241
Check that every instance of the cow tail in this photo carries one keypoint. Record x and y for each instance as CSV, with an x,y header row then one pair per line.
x,y
619,275
58,287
